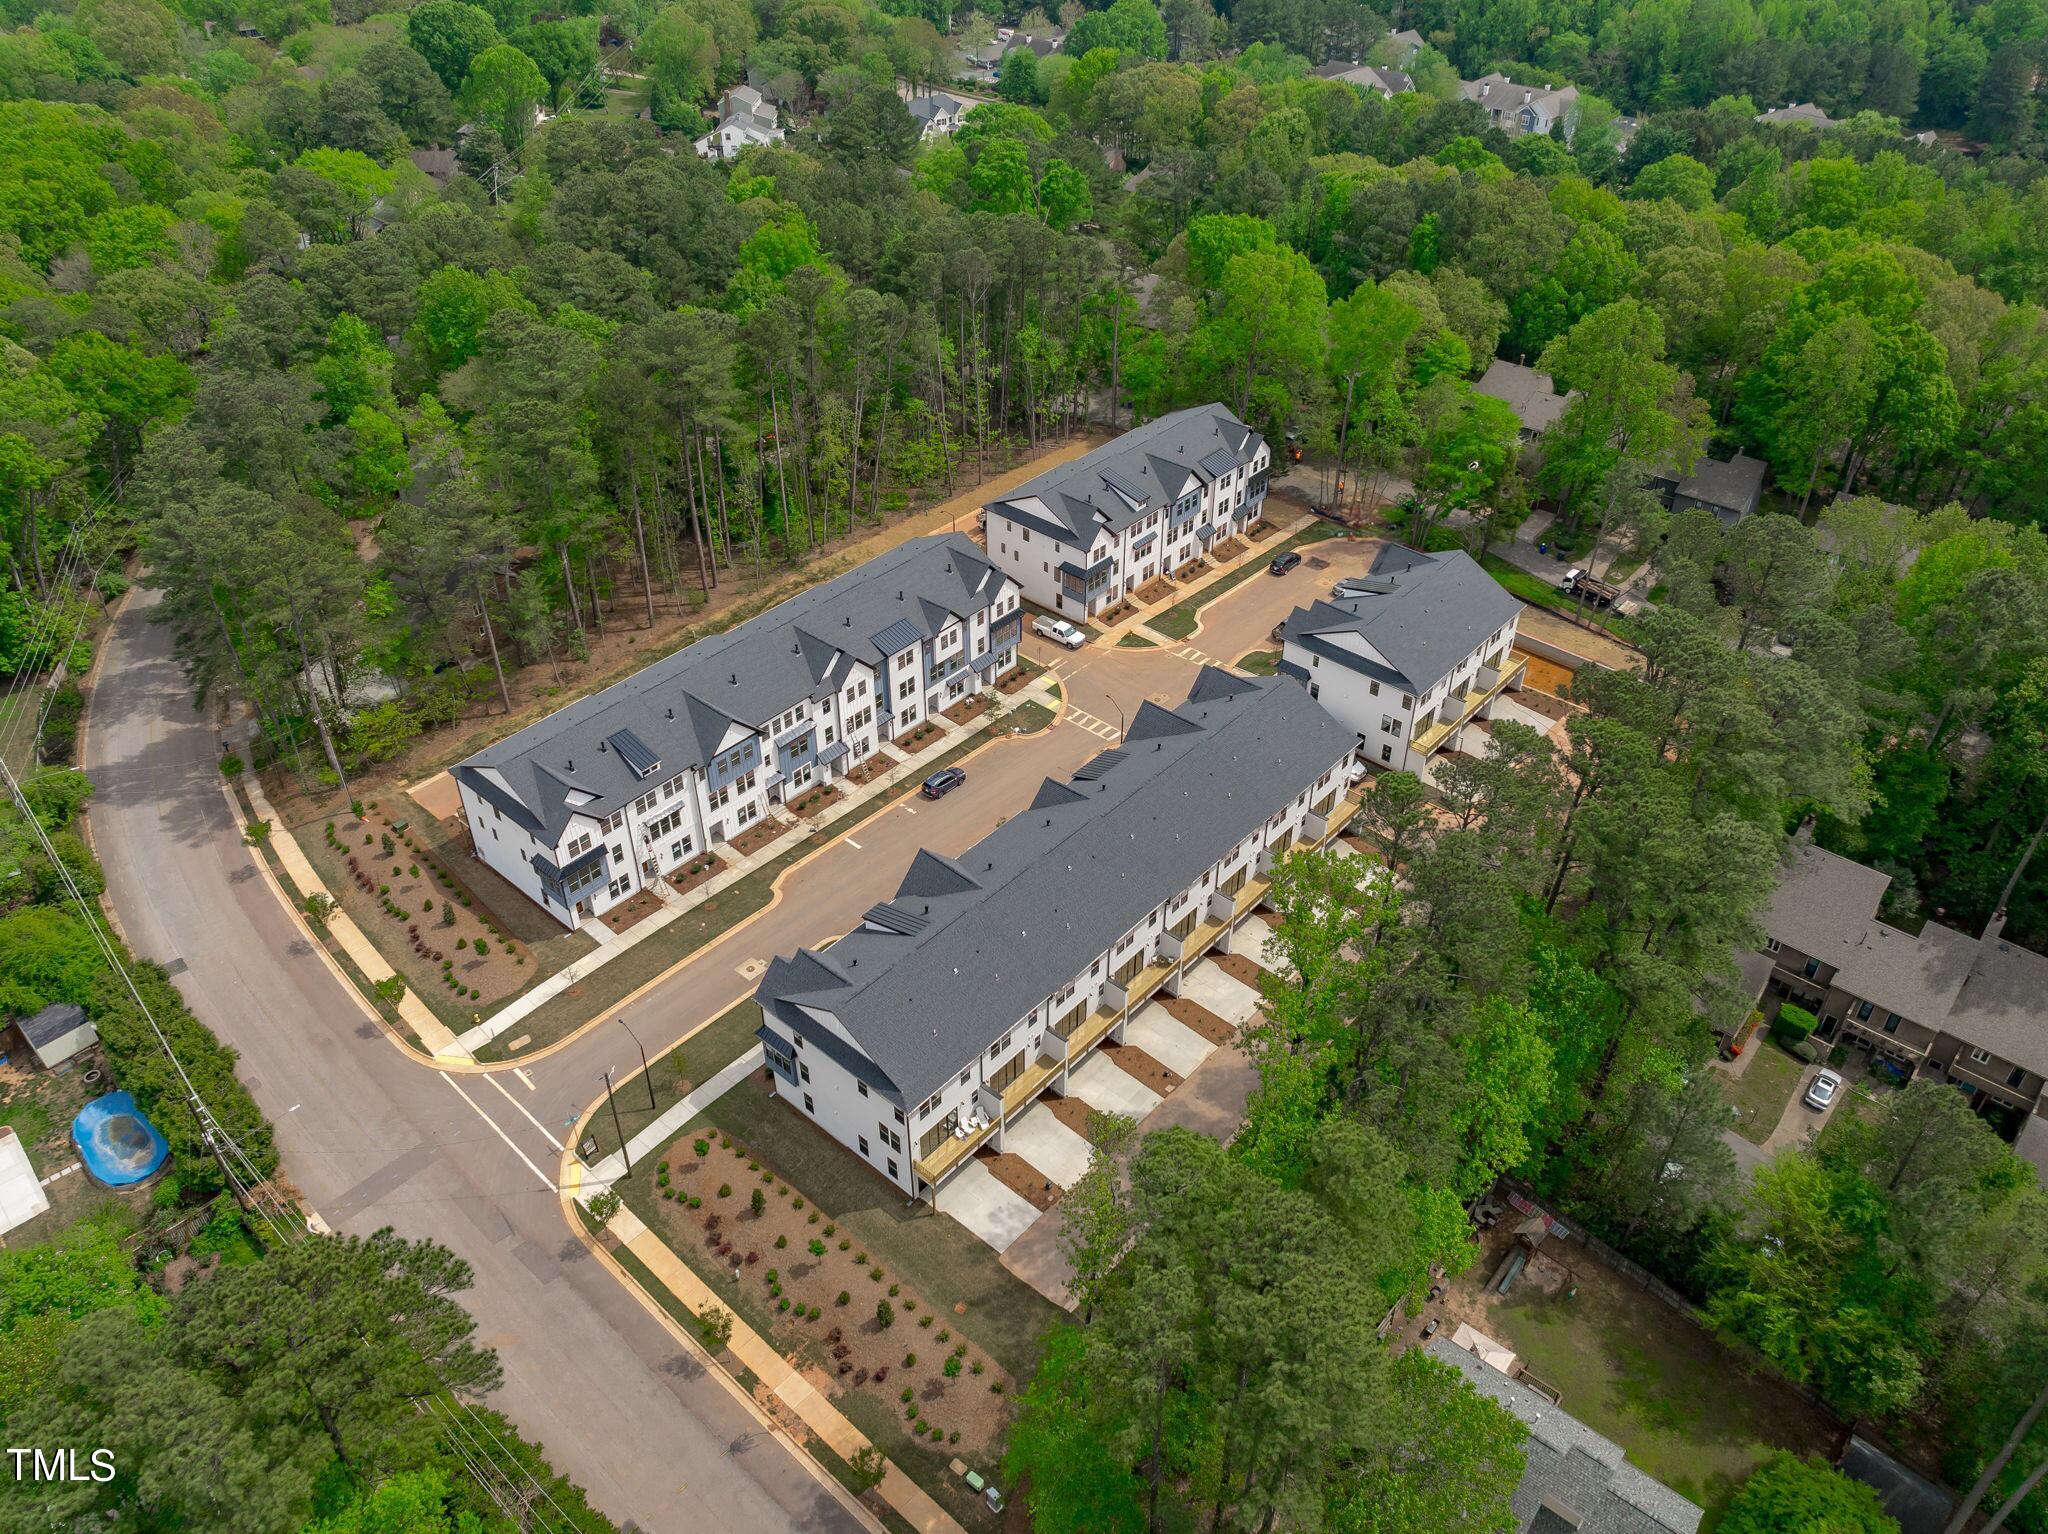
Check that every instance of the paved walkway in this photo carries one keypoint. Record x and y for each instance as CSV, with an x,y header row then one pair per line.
x,y
434,1035
776,1375
676,904
679,1113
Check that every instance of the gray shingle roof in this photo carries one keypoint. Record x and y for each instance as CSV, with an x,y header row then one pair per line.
x,y
1531,395
1144,469
1570,1467
1993,995
996,931
1438,610
1736,485
680,708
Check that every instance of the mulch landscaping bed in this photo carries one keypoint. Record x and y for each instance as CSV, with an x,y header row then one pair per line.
x,y
968,708
631,912
1115,615
705,865
1019,676
1193,570
1135,1062
1070,1111
1262,530
866,772
1193,1015
1158,589
1021,1178
797,1267
1225,551
419,915
919,739
812,800
759,834
1240,968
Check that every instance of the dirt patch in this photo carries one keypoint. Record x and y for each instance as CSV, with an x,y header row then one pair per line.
x,y
1598,647
1021,1178
1543,674
1158,589
1193,1015
1134,1062
422,918
1070,1111
867,771
1546,705
968,708
812,800
844,1348
1240,969
759,834
632,911
706,865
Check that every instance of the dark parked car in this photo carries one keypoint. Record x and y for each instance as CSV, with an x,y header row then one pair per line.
x,y
942,782
1282,563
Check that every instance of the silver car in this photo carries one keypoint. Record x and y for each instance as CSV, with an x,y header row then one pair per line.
x,y
1822,1090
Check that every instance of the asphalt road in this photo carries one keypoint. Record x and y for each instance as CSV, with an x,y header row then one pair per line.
x,y
373,1138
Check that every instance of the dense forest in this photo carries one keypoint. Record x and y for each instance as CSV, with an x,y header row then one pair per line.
x,y
411,347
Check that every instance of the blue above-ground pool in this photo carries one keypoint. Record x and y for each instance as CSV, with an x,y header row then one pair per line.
x,y
117,1142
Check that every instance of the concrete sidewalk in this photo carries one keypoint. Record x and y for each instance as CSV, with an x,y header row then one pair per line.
x,y
676,904
679,1113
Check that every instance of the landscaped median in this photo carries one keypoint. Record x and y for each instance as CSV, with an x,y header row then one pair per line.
x,y
1181,620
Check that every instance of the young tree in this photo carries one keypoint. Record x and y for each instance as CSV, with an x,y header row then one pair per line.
x,y
1789,1495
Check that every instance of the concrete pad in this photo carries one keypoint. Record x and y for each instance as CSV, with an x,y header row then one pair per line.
x,y
1107,1087
1172,1043
979,1200
1041,1139
1229,999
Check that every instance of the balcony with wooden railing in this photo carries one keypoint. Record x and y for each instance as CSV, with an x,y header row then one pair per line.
x,y
1453,714
951,1151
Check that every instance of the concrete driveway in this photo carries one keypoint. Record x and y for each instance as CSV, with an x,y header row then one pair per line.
x,y
1799,1124
1108,1088
1174,1045
1231,1000
1041,1139
980,1201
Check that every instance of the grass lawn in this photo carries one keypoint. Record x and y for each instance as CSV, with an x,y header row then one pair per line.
x,y
1538,592
938,1256
562,1015
1759,1095
1629,1368
1136,642
1259,662
698,1058
1179,620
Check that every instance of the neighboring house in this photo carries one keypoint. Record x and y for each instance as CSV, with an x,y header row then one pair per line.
x,y
986,62
57,1033
1079,536
1573,1479
438,165
1918,1505
745,119
1409,655
1388,83
1531,395
1802,113
1519,109
1730,489
1969,1011
920,1036
938,114
602,798
1405,45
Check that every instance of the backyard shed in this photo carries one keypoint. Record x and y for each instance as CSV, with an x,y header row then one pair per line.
x,y
57,1033
21,1194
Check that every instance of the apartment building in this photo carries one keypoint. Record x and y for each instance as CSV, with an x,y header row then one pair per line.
x,y
1519,109
604,797
1408,655
1972,1011
1080,536
918,1037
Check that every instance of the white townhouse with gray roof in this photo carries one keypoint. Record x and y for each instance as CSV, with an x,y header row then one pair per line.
x,y
1407,655
918,1037
604,797
1078,537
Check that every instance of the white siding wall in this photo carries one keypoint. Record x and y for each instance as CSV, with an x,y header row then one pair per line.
x,y
1385,723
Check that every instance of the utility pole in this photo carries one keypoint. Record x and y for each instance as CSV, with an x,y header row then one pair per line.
x,y
619,1128
644,1072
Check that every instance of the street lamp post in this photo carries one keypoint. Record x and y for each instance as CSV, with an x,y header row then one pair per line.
x,y
645,1073
619,1128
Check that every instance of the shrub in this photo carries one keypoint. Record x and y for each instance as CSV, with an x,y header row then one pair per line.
x,y
831,1230
725,1190
910,1412
954,1436
976,1367
910,1360
604,1206
924,1321
797,1202
715,1327
813,1219
885,1314
909,1304
906,1395
725,1142
782,1304
860,1261
696,1202
781,1242
391,988
951,1368
753,1166
1793,1024
875,1274
844,1243
758,1203
817,1248
995,1387
767,1177
481,947
945,1334
663,1168
844,1298
894,1290
702,1148
461,943
815,1312
866,1468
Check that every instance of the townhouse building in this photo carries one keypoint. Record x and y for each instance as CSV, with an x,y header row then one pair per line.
x,y
985,979
1519,109
608,795
1972,1011
1080,536
1409,655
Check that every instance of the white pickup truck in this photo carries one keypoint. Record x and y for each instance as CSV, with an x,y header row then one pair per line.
x,y
1060,632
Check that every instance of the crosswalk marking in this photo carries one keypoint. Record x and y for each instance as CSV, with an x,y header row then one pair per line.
x,y
1102,729
1200,658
